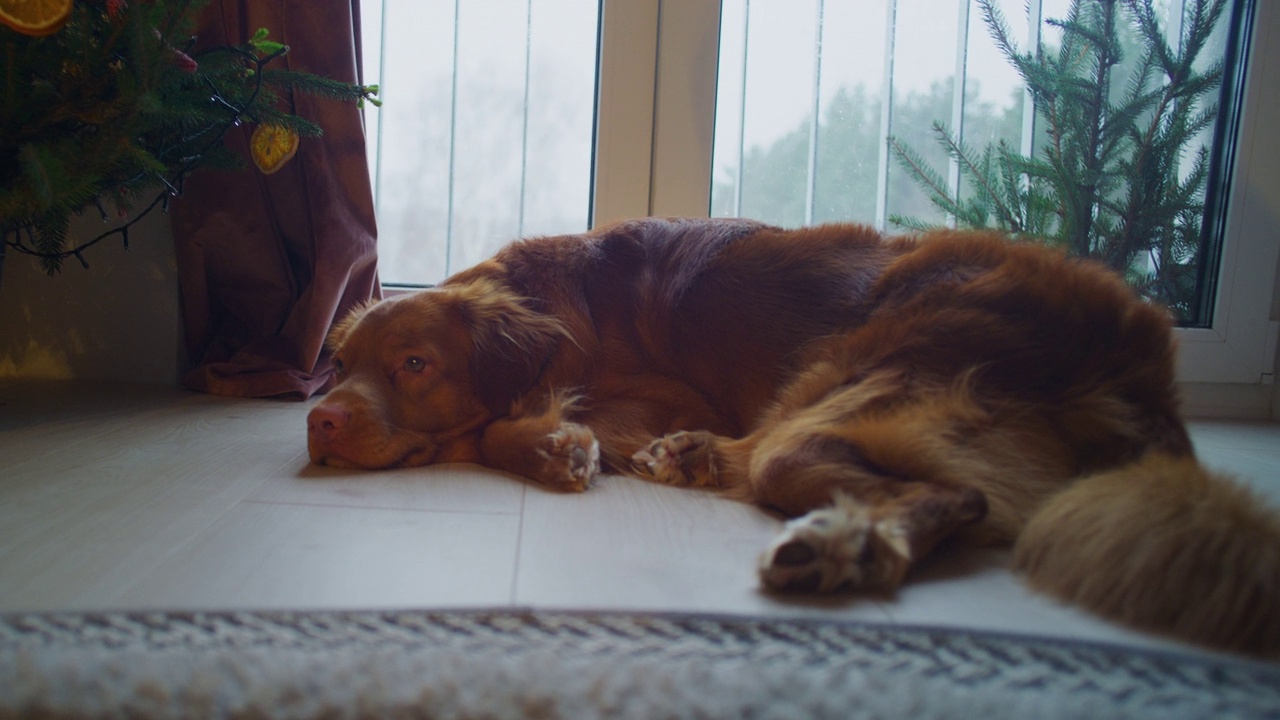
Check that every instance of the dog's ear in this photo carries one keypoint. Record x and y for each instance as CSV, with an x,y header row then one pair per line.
x,y
341,329
511,342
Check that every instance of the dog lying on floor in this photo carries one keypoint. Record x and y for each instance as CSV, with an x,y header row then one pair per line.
x,y
886,393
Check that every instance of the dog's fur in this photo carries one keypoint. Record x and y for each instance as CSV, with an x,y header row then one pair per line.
x,y
887,393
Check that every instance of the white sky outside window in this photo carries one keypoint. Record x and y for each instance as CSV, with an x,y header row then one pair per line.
x,y
486,128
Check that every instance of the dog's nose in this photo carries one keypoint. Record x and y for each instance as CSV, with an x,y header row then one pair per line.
x,y
326,421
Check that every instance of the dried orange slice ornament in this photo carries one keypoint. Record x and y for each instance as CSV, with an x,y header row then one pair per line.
x,y
35,17
272,146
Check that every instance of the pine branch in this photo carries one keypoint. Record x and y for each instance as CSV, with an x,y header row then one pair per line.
x,y
930,179
264,115
914,224
1153,36
961,154
1111,181
116,110
1154,201
983,206
316,85
1026,65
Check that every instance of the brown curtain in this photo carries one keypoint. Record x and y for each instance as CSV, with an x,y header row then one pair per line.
x,y
267,262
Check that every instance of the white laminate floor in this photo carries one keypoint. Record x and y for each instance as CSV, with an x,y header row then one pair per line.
x,y
150,497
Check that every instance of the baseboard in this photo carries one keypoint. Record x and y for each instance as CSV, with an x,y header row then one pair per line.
x,y
1227,401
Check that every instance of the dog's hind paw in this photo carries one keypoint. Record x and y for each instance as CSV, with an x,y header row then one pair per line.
x,y
572,457
686,459
838,548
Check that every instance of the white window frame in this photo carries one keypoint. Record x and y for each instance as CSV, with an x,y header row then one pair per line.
x,y
1240,345
655,127
655,118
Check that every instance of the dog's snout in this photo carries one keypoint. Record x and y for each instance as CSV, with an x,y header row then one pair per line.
x,y
326,420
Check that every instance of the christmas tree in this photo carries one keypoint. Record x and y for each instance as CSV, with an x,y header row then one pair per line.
x,y
105,104
1110,181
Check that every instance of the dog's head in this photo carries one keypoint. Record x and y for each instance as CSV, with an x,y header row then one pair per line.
x,y
417,372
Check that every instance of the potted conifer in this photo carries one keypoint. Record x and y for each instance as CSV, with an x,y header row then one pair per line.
x,y
1118,106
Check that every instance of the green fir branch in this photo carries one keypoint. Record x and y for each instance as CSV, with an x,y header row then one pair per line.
x,y
928,178
914,224
316,85
1111,181
113,109
957,151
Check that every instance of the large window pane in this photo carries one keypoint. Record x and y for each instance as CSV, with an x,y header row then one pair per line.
x,y
993,95
922,90
867,126
852,73
485,134
777,106
411,168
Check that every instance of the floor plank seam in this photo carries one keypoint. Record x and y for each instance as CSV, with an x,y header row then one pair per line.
x,y
515,565
384,508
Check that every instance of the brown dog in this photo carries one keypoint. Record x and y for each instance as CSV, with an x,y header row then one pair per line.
x,y
888,393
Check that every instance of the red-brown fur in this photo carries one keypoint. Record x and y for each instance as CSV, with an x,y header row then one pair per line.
x,y
889,393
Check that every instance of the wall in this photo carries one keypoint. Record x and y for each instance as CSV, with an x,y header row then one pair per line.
x,y
116,320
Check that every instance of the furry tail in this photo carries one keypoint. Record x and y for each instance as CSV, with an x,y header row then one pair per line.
x,y
1163,545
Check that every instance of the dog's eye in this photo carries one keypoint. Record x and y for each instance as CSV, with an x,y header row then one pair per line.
x,y
415,364
338,366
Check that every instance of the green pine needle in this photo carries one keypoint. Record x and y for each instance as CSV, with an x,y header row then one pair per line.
x,y
111,108
1110,180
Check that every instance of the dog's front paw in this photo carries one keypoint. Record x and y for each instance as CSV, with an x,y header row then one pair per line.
x,y
835,549
572,458
684,458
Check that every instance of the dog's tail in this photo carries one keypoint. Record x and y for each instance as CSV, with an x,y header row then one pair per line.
x,y
1164,545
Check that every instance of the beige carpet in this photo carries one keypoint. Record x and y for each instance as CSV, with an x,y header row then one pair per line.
x,y
510,664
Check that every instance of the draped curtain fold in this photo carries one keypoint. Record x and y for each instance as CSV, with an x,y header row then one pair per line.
x,y
267,262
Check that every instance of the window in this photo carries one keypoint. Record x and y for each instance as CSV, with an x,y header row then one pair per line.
x,y
486,131
798,152
739,107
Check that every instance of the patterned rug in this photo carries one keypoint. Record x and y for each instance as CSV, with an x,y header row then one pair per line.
x,y
512,664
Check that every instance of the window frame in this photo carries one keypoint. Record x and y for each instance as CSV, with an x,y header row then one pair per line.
x,y
1239,346
655,126
655,116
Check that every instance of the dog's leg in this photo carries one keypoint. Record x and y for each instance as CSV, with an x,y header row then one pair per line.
x,y
697,458
859,527
874,481
543,446
693,458
859,545
628,413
